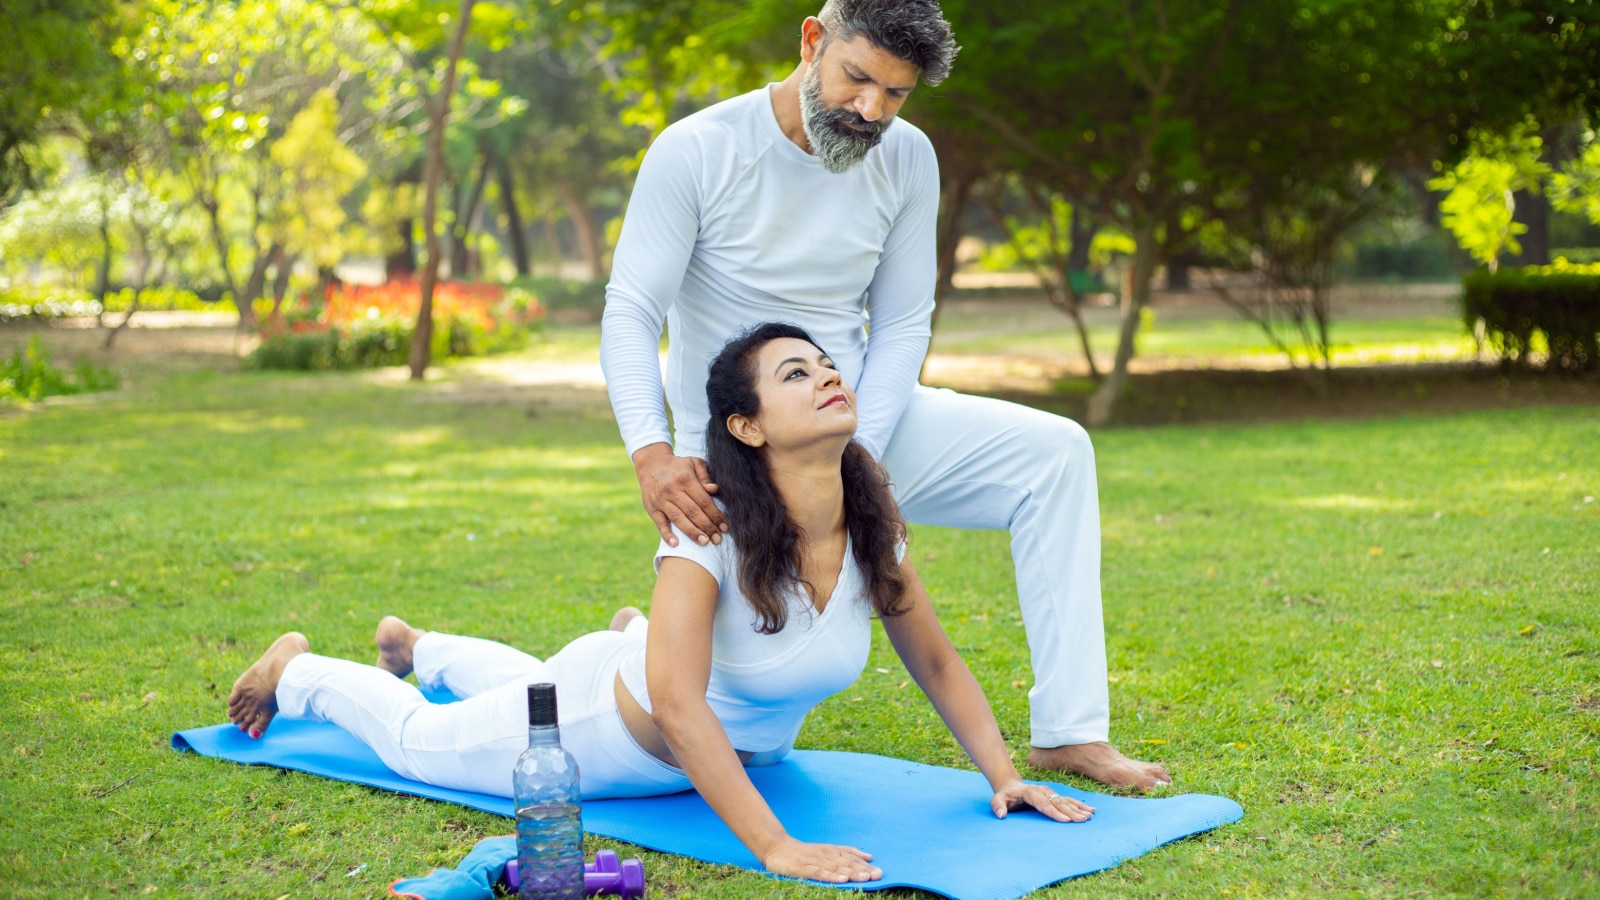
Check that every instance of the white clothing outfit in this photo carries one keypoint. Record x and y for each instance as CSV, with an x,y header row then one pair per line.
x,y
731,225
473,745
762,685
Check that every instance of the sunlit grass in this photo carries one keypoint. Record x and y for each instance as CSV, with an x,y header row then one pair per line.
x,y
1379,637
1353,340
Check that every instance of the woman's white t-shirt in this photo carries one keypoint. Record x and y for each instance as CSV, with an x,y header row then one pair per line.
x,y
762,685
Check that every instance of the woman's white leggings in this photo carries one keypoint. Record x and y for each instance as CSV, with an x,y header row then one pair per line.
x,y
472,745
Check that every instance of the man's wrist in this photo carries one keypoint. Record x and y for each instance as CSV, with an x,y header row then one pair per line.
x,y
649,453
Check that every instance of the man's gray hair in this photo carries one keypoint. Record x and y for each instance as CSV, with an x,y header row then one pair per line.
x,y
913,30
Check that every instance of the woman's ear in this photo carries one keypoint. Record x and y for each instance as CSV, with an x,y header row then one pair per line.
x,y
746,430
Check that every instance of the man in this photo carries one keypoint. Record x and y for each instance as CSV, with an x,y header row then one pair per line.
x,y
806,201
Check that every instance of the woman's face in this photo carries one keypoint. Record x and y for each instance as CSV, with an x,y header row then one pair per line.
x,y
803,399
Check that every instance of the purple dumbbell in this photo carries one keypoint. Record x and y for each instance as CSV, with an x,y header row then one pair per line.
x,y
606,875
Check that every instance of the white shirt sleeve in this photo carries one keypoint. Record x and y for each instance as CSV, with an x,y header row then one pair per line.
x,y
658,235
900,301
711,557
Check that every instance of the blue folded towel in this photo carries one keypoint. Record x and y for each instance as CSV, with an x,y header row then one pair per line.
x,y
928,827
473,879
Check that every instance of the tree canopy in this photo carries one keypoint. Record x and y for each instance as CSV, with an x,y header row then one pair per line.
x,y
283,136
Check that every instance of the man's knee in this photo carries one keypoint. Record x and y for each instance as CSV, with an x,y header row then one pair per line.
x,y
1059,444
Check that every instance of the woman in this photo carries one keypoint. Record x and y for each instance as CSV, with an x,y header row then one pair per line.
x,y
746,636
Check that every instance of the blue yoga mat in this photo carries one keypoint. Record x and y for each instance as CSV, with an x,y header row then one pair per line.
x,y
927,827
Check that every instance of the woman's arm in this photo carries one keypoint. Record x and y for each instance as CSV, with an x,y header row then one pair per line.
x,y
938,669
678,669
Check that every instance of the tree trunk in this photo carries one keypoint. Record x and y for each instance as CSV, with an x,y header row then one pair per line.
x,y
143,271
587,231
256,285
515,235
439,117
1533,210
1083,338
1178,272
956,193
950,233
280,283
552,241
1134,299
466,221
219,242
1080,233
403,262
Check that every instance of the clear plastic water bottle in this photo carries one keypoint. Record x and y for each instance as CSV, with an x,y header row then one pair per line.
x,y
544,788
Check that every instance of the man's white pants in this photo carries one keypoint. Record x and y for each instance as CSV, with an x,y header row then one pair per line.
x,y
975,462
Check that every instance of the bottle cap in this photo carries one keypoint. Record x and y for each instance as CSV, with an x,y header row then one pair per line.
x,y
541,704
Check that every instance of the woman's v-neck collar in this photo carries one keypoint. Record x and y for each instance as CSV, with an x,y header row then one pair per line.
x,y
844,569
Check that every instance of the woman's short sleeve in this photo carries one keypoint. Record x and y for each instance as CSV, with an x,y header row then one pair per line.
x,y
712,557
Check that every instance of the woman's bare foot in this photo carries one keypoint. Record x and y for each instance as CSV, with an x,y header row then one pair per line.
x,y
254,699
396,640
619,622
1101,762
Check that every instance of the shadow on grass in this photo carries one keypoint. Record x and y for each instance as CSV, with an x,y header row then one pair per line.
x,y
1212,395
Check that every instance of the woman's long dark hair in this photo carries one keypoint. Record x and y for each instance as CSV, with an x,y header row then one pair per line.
x,y
758,521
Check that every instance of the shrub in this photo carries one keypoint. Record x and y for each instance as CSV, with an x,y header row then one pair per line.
x,y
374,343
305,352
1419,260
561,293
1577,254
28,375
26,301
367,326
165,297
1560,302
377,341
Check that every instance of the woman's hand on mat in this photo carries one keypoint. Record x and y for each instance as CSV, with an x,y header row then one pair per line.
x,y
821,862
677,491
1021,795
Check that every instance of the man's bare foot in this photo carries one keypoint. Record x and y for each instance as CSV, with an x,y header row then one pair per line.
x,y
619,622
254,699
396,640
1100,762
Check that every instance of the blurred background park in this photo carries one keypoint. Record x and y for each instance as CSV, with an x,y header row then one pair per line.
x,y
299,326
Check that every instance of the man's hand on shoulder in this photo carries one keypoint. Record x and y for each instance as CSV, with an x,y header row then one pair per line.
x,y
677,491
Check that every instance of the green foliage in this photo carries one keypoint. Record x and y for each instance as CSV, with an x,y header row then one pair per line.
x,y
1422,259
1579,255
1575,187
559,293
27,375
25,301
1560,303
35,302
57,228
1479,206
1044,239
55,54
162,297
319,170
382,341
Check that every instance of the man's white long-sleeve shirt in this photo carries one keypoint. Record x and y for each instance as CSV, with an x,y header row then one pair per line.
x,y
731,225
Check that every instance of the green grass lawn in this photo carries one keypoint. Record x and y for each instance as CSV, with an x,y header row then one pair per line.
x,y
1354,340
1381,637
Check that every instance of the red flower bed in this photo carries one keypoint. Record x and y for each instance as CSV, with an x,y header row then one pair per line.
x,y
482,303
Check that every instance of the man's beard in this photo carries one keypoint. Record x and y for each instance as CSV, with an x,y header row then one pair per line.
x,y
835,143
